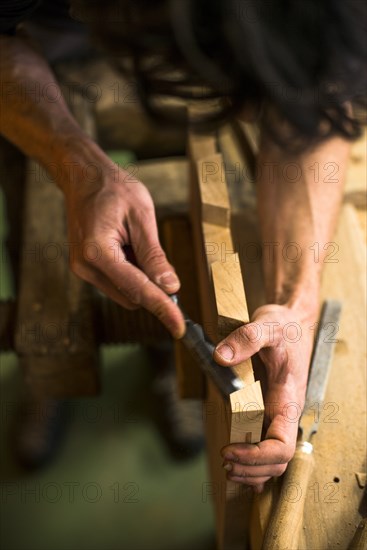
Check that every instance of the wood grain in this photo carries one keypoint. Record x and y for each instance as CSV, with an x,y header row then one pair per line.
x,y
221,286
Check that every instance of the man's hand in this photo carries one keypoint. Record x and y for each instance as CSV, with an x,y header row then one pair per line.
x,y
113,211
284,344
104,212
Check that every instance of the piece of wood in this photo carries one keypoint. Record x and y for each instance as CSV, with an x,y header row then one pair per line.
x,y
224,421
229,295
231,306
238,169
247,408
213,191
200,146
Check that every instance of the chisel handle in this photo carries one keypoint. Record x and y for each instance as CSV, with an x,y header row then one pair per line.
x,y
286,521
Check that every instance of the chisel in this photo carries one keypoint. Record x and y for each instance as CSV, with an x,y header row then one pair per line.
x,y
285,522
202,350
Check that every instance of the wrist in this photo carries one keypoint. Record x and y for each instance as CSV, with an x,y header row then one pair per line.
x,y
304,301
80,161
298,288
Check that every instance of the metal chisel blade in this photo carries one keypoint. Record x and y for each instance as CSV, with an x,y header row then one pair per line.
x,y
320,367
202,350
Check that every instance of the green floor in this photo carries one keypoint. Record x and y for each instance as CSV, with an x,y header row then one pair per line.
x,y
113,486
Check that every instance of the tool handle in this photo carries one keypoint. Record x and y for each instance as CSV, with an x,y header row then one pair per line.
x,y
286,521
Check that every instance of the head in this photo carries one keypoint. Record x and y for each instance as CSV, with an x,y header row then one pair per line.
x,y
305,59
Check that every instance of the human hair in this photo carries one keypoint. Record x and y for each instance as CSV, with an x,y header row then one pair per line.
x,y
304,58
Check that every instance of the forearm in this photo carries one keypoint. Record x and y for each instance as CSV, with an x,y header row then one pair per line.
x,y
298,202
34,115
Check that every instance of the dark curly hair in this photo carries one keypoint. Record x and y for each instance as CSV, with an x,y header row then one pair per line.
x,y
304,58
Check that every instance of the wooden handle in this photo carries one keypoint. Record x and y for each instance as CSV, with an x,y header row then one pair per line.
x,y
286,521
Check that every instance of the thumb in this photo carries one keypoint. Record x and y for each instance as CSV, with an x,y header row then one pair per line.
x,y
247,340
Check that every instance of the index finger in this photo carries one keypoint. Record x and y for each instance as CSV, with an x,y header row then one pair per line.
x,y
136,286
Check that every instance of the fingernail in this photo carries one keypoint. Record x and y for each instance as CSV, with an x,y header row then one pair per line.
x,y
168,279
225,351
227,466
178,333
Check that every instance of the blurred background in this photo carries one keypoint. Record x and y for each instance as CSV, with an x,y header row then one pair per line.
x,y
113,484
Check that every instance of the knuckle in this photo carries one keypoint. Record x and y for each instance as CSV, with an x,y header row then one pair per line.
x,y
134,290
160,310
249,334
132,293
154,256
143,210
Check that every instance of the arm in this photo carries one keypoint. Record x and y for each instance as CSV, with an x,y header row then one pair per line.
x,y
295,206
110,209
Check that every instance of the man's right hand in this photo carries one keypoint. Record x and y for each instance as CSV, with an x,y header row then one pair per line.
x,y
112,211
105,212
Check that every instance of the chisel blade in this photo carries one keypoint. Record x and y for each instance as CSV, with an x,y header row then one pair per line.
x,y
202,350
320,367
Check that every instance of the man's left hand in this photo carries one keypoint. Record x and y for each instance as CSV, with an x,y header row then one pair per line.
x,y
284,344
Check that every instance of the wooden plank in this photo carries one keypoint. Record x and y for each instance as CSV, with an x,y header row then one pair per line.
x,y
239,171
247,408
201,146
340,448
224,420
229,295
231,306
213,191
